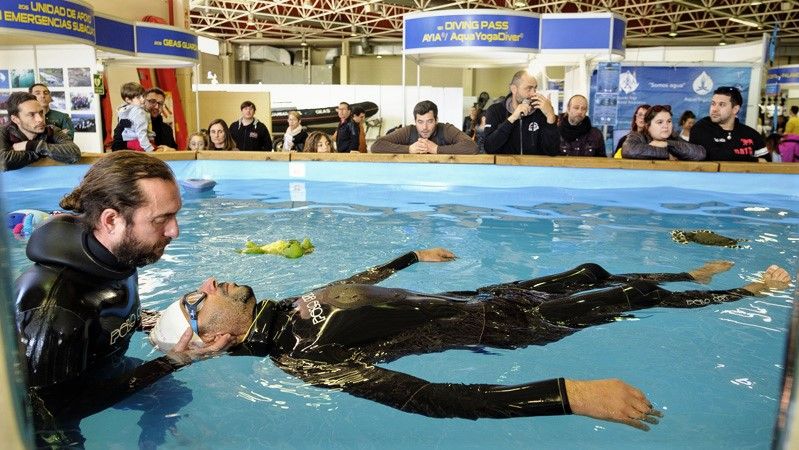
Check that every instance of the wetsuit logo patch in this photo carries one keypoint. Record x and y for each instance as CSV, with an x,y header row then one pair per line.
x,y
313,307
126,327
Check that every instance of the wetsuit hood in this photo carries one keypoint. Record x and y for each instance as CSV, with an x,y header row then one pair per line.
x,y
48,245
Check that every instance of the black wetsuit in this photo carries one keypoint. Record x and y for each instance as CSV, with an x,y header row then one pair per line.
x,y
76,310
334,336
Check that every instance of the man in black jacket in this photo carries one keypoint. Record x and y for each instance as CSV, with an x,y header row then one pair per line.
x,y
248,132
523,124
347,134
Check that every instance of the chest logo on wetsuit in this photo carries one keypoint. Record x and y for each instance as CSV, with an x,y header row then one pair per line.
x,y
314,308
126,327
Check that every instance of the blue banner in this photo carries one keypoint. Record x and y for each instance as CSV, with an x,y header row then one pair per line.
x,y
115,35
684,88
62,18
783,75
471,30
578,32
165,41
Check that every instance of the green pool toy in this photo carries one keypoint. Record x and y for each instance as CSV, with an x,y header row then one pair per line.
x,y
290,249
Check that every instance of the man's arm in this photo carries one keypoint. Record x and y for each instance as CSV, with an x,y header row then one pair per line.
x,y
58,146
394,142
498,130
603,399
11,159
549,137
458,142
374,275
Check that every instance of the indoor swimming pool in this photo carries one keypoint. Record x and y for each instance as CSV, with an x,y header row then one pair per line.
x,y
715,372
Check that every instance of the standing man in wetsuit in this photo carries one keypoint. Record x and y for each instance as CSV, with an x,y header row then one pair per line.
x,y
78,305
336,335
523,124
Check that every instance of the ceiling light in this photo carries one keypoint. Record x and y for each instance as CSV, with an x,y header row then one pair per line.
x,y
259,35
748,23
520,3
722,43
379,56
303,43
673,32
755,3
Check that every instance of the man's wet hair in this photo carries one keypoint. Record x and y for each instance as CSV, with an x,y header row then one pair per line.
x,y
112,182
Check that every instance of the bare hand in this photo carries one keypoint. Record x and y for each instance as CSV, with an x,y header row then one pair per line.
x,y
20,146
436,254
612,400
419,147
164,148
184,352
540,101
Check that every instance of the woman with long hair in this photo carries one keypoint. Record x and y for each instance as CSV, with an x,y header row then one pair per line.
x,y
655,141
219,134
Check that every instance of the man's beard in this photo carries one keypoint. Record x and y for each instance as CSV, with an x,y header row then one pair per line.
x,y
133,253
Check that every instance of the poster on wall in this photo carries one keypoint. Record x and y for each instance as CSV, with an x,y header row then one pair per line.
x,y
79,77
22,78
52,77
683,88
3,99
81,101
5,81
59,102
84,123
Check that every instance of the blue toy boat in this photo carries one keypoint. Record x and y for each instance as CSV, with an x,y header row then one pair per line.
x,y
198,184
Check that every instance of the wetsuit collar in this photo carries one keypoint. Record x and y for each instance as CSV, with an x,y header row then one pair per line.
x,y
62,241
262,321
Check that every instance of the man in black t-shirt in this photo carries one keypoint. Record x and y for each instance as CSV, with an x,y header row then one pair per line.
x,y
724,137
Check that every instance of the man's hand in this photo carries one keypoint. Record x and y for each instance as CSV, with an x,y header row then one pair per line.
x,y
184,353
20,146
612,400
418,147
540,101
437,254
522,109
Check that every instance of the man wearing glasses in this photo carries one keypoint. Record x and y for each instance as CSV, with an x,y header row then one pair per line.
x,y
523,124
164,137
78,306
721,133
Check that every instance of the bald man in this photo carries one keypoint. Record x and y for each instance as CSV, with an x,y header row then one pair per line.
x,y
577,136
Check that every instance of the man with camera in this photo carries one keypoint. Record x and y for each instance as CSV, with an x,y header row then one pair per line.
x,y
525,123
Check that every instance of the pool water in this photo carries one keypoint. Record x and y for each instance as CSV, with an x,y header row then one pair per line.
x,y
715,372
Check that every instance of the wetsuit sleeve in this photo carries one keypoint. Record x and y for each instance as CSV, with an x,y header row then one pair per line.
x,y
374,275
80,400
414,395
